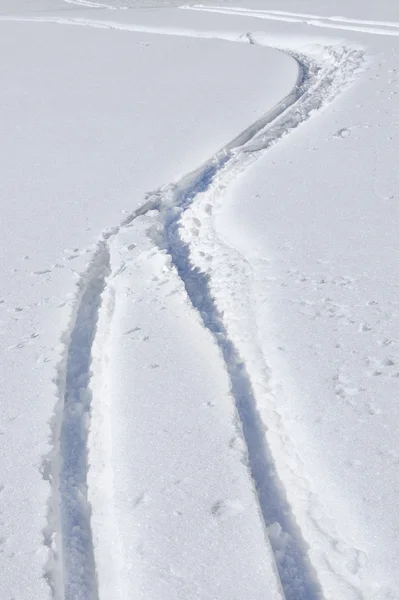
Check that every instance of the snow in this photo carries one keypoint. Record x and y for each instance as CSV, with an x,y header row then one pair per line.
x,y
324,261
318,239
89,132
198,311
184,519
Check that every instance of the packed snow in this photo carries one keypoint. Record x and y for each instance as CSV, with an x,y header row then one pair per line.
x,y
199,312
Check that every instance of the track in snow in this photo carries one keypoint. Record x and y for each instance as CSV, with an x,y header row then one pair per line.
x,y
298,579
74,575
317,86
363,26
89,4
72,572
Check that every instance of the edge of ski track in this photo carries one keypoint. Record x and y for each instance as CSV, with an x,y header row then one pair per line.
x,y
154,200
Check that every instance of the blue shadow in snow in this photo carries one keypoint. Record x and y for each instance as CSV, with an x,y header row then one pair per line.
x,y
80,581
297,576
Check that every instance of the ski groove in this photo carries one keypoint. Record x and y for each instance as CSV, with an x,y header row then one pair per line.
x,y
73,571
97,5
298,580
341,23
316,86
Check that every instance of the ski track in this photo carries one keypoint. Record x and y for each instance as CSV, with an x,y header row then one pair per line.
x,y
297,576
71,569
312,16
298,579
342,23
73,574
106,24
88,4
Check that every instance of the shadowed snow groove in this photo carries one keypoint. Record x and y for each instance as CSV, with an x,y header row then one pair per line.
x,y
296,574
318,85
73,552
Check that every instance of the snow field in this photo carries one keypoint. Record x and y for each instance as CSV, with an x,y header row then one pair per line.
x,y
221,358
323,266
290,553
72,194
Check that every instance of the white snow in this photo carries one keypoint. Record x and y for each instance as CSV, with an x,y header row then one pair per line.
x,y
199,303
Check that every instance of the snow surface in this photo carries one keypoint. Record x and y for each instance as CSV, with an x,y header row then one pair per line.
x,y
199,309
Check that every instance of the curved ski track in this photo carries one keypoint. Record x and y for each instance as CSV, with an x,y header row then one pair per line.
x,y
71,569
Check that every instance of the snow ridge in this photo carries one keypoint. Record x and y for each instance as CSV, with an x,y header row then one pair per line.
x,y
73,574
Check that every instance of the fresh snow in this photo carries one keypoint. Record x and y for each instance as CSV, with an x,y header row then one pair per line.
x,y
199,311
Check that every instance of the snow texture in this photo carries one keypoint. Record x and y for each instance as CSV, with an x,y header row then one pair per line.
x,y
199,313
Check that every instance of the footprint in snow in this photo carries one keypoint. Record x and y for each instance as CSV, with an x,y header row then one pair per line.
x,y
342,133
224,509
133,330
43,272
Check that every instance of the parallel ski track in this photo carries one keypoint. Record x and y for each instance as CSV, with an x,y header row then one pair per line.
x,y
340,23
71,570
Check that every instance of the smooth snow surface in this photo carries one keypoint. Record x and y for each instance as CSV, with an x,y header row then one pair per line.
x,y
199,307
